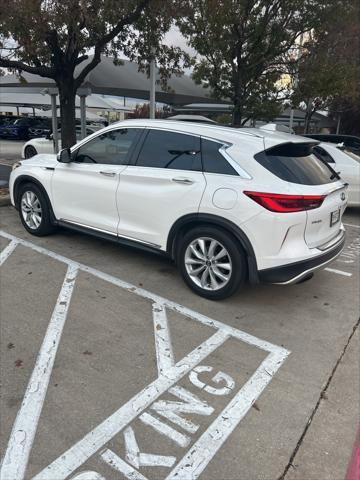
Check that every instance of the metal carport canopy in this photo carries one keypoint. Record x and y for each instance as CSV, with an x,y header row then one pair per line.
x,y
120,80
22,97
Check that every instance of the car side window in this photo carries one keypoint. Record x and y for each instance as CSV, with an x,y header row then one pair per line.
x,y
323,155
109,148
171,150
213,160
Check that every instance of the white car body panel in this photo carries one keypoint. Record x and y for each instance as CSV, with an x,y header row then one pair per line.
x,y
41,145
348,168
143,203
84,195
165,201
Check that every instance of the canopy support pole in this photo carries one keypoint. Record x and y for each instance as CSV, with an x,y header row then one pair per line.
x,y
83,115
152,87
291,119
54,122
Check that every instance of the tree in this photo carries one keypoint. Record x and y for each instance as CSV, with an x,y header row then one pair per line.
x,y
53,38
143,110
244,47
328,71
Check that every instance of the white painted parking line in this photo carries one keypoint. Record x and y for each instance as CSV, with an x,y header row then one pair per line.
x,y
103,433
163,346
339,272
22,436
142,406
200,454
120,466
351,225
7,251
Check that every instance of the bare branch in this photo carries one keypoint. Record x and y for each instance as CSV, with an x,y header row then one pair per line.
x,y
37,70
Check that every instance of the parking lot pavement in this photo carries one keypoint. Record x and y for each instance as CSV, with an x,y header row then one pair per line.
x,y
111,366
10,150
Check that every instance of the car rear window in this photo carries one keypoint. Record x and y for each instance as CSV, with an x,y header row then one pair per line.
x,y
296,163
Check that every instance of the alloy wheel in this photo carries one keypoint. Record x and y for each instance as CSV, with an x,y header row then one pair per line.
x,y
31,210
208,263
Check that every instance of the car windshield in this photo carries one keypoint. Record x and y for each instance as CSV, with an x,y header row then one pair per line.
x,y
21,122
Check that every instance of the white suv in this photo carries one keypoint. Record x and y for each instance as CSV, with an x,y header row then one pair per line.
x,y
227,205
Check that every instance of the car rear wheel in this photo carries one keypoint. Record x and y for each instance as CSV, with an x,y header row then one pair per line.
x,y
34,210
30,151
211,262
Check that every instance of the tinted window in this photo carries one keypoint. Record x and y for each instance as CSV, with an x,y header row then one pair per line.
x,y
297,164
111,148
323,155
170,150
22,122
213,160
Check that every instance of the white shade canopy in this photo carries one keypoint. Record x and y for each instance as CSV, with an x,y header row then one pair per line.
x,y
119,80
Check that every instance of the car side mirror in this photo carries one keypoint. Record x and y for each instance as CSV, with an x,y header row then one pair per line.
x,y
64,156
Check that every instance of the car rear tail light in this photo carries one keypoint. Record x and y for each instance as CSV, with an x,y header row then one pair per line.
x,y
276,202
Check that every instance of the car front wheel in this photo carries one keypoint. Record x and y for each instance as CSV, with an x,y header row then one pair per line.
x,y
212,262
34,210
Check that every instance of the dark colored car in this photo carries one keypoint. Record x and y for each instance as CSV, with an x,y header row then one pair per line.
x,y
25,128
350,142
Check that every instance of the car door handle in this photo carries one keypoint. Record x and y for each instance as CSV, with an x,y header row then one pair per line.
x,y
182,180
108,174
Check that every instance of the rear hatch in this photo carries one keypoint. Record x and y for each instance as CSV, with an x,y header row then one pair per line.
x,y
308,175
324,223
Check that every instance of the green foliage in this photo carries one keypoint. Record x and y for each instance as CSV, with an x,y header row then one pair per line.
x,y
53,38
328,70
245,46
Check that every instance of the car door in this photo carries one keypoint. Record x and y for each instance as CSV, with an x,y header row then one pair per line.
x,y
165,183
84,190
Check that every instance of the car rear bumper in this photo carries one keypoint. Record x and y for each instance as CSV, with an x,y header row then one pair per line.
x,y
295,272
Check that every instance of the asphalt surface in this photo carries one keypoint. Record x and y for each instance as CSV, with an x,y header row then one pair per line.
x,y
10,151
111,366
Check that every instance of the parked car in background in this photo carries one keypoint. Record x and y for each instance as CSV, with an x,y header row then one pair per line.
x,y
46,145
227,205
7,119
348,142
345,165
26,127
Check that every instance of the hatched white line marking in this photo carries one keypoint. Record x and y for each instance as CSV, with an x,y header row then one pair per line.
x,y
73,458
179,438
200,454
140,459
119,465
79,453
187,312
22,436
164,353
339,272
7,251
351,225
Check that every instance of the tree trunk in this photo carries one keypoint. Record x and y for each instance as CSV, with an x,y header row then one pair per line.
x,y
237,114
67,93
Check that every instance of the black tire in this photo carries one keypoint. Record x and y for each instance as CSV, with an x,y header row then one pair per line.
x,y
235,254
45,226
30,151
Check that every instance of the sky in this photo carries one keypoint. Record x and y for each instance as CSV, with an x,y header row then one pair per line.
x,y
176,39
